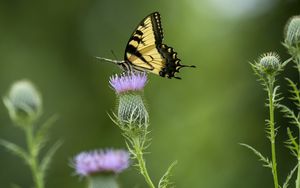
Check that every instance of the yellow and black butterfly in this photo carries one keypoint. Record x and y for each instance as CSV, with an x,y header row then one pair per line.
x,y
145,51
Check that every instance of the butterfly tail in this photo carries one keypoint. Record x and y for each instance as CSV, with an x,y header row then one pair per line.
x,y
181,66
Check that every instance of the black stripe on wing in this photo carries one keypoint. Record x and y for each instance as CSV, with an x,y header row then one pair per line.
x,y
138,35
157,28
132,50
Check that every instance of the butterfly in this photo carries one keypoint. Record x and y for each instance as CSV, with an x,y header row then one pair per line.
x,y
146,52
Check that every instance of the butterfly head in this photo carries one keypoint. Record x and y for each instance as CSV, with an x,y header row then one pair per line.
x,y
124,66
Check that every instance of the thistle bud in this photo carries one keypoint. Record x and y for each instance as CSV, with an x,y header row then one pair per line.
x,y
292,32
131,107
23,103
269,63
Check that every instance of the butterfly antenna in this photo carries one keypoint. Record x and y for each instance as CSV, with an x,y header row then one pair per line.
x,y
110,60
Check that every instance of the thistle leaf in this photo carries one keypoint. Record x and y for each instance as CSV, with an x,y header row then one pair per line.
x,y
295,91
49,155
292,144
288,113
288,60
41,134
131,151
114,118
257,72
266,162
16,150
164,181
288,178
275,93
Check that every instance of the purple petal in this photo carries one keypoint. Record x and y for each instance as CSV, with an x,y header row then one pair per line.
x,y
98,161
131,81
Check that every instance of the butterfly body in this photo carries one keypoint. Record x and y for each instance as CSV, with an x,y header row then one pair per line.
x,y
145,51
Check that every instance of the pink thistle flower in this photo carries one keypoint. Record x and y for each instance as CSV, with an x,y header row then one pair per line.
x,y
106,161
130,81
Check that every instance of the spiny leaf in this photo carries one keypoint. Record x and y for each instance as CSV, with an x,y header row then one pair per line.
x,y
49,155
113,118
265,160
131,151
275,93
292,143
164,181
16,150
41,134
288,113
295,91
277,96
268,128
286,61
256,71
288,178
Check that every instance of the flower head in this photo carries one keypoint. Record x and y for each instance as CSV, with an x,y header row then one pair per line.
x,y
292,31
269,63
23,102
130,81
101,161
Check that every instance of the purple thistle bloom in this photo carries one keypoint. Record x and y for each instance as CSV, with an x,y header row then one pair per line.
x,y
98,161
131,81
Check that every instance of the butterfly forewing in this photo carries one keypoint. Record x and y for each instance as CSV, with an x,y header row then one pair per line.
x,y
145,51
141,50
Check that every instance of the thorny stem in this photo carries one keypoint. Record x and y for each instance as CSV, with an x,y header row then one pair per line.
x,y
33,158
141,162
272,131
298,173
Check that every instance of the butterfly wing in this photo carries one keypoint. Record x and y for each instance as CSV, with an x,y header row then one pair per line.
x,y
145,51
141,51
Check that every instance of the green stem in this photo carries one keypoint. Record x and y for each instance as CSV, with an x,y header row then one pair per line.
x,y
33,158
297,61
298,173
141,162
272,132
102,181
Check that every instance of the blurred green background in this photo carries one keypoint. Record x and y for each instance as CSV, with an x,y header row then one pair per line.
x,y
198,121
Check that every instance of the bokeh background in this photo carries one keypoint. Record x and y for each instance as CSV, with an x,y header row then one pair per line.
x,y
198,120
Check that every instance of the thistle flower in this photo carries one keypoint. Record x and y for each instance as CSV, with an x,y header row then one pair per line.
x,y
130,81
23,102
101,161
131,108
292,32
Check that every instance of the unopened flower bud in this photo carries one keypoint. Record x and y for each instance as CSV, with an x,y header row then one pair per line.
x,y
23,102
131,109
269,63
292,32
